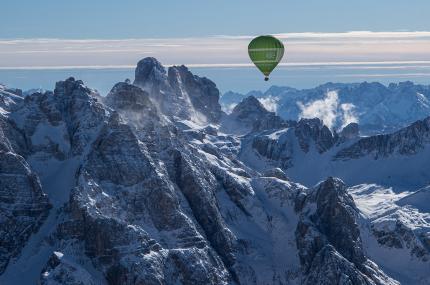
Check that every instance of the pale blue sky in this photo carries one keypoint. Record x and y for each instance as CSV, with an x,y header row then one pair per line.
x,y
107,19
100,41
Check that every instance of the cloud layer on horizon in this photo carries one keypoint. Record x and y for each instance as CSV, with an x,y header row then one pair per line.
x,y
307,49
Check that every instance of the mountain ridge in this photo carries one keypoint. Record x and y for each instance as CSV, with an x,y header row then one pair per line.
x,y
148,186
374,106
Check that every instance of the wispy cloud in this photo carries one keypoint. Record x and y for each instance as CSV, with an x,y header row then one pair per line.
x,y
325,109
329,110
302,49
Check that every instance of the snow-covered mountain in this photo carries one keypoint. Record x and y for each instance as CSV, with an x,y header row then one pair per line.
x,y
154,184
375,107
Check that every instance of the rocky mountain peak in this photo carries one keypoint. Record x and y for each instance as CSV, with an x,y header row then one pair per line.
x,y
69,86
148,71
350,131
125,96
179,93
252,115
250,106
308,130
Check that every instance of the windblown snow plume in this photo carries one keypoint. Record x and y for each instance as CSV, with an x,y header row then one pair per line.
x,y
270,103
348,115
228,108
329,110
325,109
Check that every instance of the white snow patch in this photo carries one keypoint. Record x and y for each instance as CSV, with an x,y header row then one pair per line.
x,y
3,112
374,200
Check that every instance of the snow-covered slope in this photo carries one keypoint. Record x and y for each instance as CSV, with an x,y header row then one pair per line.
x,y
153,184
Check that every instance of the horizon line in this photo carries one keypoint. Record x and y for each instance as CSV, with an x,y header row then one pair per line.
x,y
220,65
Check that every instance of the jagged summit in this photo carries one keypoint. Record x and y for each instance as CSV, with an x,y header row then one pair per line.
x,y
350,131
149,71
125,96
249,106
250,114
178,92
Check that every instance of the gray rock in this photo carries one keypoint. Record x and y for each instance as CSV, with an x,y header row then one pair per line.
x,y
308,130
328,239
407,141
23,205
251,114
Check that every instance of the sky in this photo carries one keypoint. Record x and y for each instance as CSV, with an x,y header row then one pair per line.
x,y
113,19
392,36
96,33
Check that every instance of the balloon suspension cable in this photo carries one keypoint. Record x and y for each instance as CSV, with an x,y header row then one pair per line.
x,y
266,78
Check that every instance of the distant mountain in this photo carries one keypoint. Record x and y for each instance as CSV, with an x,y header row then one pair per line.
x,y
375,107
155,184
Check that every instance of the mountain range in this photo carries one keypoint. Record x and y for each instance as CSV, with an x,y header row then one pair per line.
x,y
156,184
375,107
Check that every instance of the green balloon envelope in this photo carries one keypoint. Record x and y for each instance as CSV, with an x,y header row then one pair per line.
x,y
266,52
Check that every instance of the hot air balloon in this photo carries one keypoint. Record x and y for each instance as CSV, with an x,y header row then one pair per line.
x,y
266,52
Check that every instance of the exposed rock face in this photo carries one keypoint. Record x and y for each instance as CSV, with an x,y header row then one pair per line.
x,y
251,113
9,99
328,239
281,145
395,231
125,96
308,130
202,92
23,205
60,270
178,92
81,112
407,141
350,131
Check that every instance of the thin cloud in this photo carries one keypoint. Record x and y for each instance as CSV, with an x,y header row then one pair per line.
x,y
329,110
302,49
